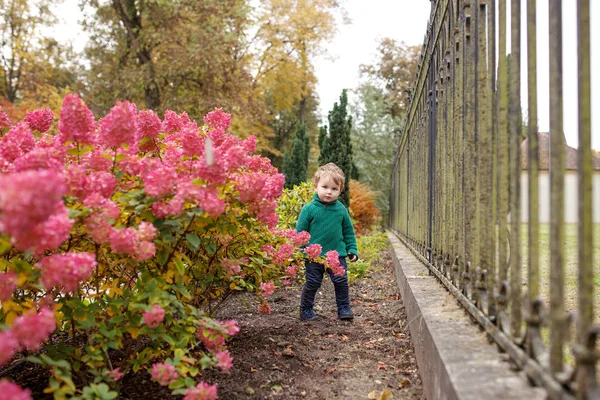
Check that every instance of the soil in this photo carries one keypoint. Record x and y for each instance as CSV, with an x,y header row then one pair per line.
x,y
278,356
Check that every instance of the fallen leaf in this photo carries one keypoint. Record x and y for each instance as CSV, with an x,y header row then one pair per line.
x,y
385,395
344,337
331,370
345,366
252,369
372,395
403,383
288,352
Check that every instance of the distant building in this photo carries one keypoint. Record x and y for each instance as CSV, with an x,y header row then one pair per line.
x,y
571,182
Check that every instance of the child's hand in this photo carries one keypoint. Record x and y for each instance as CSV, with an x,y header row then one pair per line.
x,y
352,257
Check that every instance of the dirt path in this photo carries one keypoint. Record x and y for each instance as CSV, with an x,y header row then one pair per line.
x,y
277,356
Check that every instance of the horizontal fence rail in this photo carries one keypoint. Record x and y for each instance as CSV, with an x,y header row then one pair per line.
x,y
466,160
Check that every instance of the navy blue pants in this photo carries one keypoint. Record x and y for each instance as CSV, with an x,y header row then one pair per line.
x,y
314,277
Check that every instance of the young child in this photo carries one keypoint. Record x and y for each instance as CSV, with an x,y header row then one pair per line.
x,y
329,224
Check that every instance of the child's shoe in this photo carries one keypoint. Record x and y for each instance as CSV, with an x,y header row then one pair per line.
x,y
345,312
307,314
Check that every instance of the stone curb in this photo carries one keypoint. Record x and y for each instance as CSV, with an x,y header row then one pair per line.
x,y
456,361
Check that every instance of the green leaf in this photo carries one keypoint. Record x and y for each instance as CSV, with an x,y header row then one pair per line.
x,y
180,266
193,241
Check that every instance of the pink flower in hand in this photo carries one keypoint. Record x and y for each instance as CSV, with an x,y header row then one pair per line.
x,y
332,261
314,250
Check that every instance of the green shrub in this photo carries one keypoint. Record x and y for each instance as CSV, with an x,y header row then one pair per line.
x,y
291,202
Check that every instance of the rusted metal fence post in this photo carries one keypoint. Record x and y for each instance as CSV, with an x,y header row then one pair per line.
x,y
459,179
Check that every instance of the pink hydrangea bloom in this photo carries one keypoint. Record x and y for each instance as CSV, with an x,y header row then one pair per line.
x,y
131,165
8,346
99,161
148,124
214,172
202,391
101,182
27,199
4,120
267,288
154,317
146,231
174,207
235,157
17,142
6,167
267,248
124,241
191,141
211,339
230,327
98,228
39,158
66,270
48,235
8,284
264,308
314,250
159,179
106,207
260,164
286,282
32,328
301,238
292,270
76,120
284,252
231,266
332,261
119,126
211,203
164,373
249,144
172,122
12,391
218,119
145,251
40,120
250,185
224,360
115,374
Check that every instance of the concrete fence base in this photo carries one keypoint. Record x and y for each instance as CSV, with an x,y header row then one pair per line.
x,y
456,361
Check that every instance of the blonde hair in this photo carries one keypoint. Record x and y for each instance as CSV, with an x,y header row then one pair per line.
x,y
331,170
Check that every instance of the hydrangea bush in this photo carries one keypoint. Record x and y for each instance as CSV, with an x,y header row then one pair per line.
x,y
123,236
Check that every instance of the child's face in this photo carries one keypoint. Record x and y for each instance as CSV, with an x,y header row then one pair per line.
x,y
327,190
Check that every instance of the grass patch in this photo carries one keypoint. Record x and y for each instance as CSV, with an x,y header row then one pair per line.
x,y
571,264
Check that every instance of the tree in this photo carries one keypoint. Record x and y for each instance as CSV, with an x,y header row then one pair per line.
x,y
296,164
335,144
373,139
289,34
394,71
31,64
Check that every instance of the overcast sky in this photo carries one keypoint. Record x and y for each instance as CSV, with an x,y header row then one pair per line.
x,y
406,20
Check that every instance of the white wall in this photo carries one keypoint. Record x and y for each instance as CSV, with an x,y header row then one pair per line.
x,y
571,197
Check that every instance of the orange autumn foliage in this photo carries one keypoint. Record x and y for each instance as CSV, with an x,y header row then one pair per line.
x,y
363,210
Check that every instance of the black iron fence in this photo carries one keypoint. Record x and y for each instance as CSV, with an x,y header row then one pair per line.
x,y
457,181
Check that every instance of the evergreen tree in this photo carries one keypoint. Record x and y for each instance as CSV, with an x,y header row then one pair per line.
x,y
335,146
295,165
